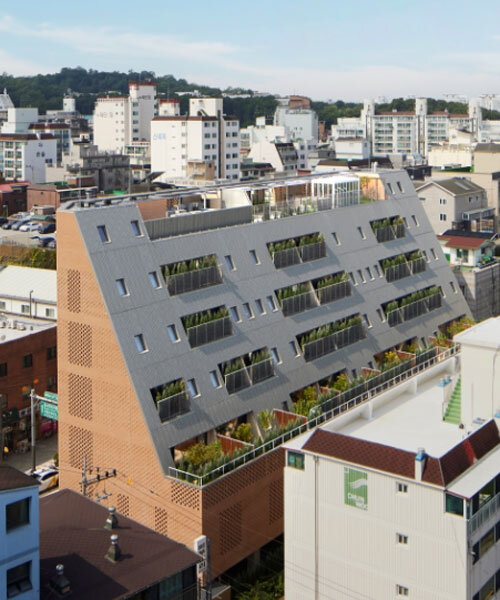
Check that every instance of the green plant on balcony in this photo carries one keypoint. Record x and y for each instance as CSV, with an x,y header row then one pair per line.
x,y
200,318
275,432
328,329
331,280
243,433
307,400
387,263
380,224
280,246
341,383
170,389
458,326
257,357
441,339
390,360
313,238
293,290
265,418
233,366
415,255
187,266
201,453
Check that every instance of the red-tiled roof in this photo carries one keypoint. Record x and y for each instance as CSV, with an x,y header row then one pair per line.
x,y
24,137
438,471
454,241
13,479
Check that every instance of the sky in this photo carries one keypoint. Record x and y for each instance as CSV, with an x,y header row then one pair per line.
x,y
324,49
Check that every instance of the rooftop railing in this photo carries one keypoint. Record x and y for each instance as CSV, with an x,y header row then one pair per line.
x,y
343,403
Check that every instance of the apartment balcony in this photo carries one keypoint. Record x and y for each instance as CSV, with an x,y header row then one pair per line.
x,y
404,269
330,343
484,514
387,231
333,292
238,375
197,279
298,303
205,333
299,250
414,309
171,405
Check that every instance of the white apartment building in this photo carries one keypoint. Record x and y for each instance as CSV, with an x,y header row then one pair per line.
x,y
122,120
19,535
300,123
262,131
28,292
399,497
5,104
282,156
24,156
180,141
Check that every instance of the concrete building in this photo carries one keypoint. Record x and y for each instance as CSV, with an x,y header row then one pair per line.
x,y
170,333
282,156
391,499
28,292
206,134
61,132
25,155
471,256
352,148
139,155
79,533
298,119
263,130
54,194
123,120
5,104
456,152
19,544
456,203
19,120
255,170
13,197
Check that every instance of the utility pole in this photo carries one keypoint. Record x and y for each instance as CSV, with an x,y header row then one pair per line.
x,y
86,481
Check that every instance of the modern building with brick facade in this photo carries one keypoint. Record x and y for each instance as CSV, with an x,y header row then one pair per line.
x,y
176,329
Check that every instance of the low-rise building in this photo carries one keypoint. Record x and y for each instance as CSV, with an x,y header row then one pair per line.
x,y
55,194
28,292
352,148
25,155
108,555
61,132
256,170
19,542
282,156
13,197
400,497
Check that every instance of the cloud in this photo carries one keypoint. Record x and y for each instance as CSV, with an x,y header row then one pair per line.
x,y
17,66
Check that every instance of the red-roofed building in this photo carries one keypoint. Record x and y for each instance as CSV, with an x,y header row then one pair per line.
x,y
12,197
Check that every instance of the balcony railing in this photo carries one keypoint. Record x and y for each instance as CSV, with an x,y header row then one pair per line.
x,y
334,341
335,291
198,335
342,403
312,251
396,272
414,310
181,283
248,376
299,254
299,303
389,233
485,513
173,406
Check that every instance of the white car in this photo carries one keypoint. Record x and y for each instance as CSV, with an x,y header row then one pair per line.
x,y
31,226
47,478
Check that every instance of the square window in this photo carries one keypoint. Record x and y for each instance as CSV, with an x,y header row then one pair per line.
x,y
401,488
136,230
361,233
140,343
401,539
254,257
234,314
336,238
18,580
294,347
402,591
3,369
153,278
192,387
275,356
17,514
214,378
103,234
271,303
121,287
295,460
260,307
51,352
50,313
172,333
25,309
247,310
27,361
229,262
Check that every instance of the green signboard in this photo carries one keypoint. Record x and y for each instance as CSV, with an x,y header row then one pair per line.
x,y
49,410
356,488
50,396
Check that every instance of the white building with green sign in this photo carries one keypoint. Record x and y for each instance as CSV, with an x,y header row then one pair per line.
x,y
400,496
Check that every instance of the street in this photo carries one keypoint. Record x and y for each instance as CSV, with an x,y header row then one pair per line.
x,y
45,450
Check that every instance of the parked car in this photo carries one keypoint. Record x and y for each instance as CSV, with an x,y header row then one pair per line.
x,y
47,228
8,225
30,226
47,477
47,242
18,224
3,220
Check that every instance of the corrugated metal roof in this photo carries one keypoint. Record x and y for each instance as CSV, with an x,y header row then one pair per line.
x,y
19,281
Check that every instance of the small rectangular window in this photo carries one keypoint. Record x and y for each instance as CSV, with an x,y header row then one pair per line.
x,y
336,238
27,361
153,278
405,221
414,219
229,262
353,279
103,234
136,230
442,217
367,320
433,254
275,356
361,276
121,287
260,307
390,188
234,314
453,288
17,514
271,303
19,580
294,347
139,343
51,352
402,591
400,187
361,233
192,388
401,488
50,313
254,257
3,370
377,271
214,378
454,505
248,311
25,309
2,305
172,333
401,539
368,270
295,460
424,254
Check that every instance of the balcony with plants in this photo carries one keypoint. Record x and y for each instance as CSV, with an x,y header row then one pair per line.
x,y
171,400
296,298
332,287
403,265
246,371
187,276
389,229
331,337
413,305
294,251
207,326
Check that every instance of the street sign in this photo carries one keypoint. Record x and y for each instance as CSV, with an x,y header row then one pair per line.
x,y
50,396
49,410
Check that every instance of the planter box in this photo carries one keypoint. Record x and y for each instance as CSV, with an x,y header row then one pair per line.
x,y
312,251
333,292
394,317
209,332
332,342
237,380
417,265
286,258
261,371
435,301
414,310
173,406
297,304
193,280
397,272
